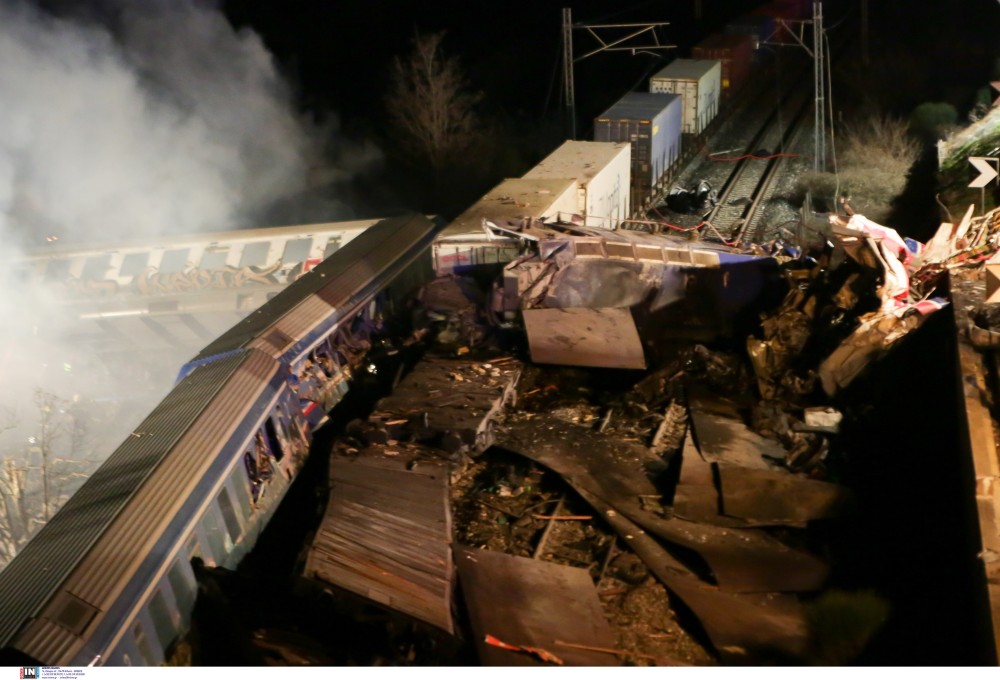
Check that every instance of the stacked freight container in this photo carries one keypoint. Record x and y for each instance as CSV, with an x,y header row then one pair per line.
x,y
699,82
651,123
734,52
602,171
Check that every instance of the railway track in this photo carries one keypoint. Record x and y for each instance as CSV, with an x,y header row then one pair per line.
x,y
738,210
756,135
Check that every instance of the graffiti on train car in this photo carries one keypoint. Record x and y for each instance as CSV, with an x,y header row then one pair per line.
x,y
152,282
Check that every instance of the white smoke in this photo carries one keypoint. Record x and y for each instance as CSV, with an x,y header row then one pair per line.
x,y
154,117
172,123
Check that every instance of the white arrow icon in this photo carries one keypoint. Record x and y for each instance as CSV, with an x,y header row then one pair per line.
x,y
987,173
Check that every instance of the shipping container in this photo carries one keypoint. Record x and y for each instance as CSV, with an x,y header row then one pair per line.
x,y
602,171
514,200
651,123
699,82
734,51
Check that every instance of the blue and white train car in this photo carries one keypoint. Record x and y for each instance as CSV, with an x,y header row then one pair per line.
x,y
108,580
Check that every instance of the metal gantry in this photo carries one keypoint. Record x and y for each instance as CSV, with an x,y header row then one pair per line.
x,y
795,29
621,43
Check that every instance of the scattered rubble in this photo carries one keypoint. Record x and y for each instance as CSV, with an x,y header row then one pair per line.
x,y
603,516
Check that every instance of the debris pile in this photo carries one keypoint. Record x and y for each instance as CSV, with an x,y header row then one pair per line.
x,y
662,514
842,310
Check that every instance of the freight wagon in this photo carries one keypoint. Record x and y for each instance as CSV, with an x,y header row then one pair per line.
x,y
734,52
698,81
651,123
603,172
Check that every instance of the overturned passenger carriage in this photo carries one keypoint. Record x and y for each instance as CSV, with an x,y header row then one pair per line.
x,y
108,580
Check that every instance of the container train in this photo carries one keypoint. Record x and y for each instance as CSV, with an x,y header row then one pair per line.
x,y
109,579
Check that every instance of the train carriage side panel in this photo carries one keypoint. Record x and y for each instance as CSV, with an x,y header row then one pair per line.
x,y
28,581
198,430
309,309
392,254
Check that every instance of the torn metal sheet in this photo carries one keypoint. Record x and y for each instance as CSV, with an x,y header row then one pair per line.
x,y
779,496
743,627
723,439
451,403
620,473
603,338
696,497
386,532
532,604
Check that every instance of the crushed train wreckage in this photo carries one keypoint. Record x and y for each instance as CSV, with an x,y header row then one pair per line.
x,y
557,498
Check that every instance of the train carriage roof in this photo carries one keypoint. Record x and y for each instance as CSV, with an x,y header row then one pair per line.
x,y
336,283
28,582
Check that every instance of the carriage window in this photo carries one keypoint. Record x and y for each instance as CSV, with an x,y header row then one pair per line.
x,y
242,487
174,261
194,546
57,270
134,263
212,528
214,259
183,592
332,246
296,250
96,268
273,428
142,642
160,614
255,254
229,516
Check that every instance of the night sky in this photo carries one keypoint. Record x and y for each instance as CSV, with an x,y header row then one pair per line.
x,y
338,54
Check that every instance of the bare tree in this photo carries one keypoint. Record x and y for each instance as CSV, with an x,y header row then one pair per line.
x,y
431,106
34,479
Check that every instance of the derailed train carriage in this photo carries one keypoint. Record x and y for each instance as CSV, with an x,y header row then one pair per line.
x,y
108,580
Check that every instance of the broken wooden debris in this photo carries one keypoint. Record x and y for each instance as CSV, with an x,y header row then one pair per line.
x,y
529,604
620,472
386,533
602,338
450,403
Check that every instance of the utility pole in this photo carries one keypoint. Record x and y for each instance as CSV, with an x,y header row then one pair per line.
x,y
796,30
819,67
622,43
570,95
